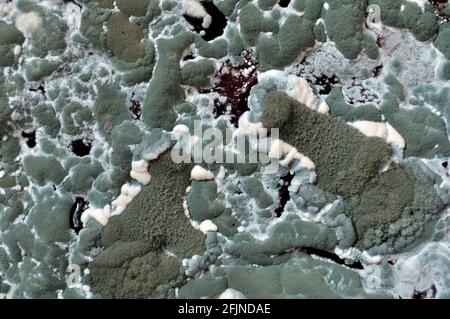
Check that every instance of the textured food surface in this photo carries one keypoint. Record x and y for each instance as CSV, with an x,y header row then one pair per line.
x,y
224,149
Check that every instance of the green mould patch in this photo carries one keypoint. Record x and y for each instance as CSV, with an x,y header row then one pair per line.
x,y
124,38
348,164
109,108
294,37
143,248
10,37
197,73
344,23
37,69
285,235
136,8
164,91
407,14
301,277
345,159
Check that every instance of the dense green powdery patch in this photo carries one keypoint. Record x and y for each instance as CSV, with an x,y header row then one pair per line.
x,y
134,262
348,164
345,159
133,7
124,38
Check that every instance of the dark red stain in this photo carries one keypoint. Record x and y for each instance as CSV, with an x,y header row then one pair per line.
x,y
234,83
135,108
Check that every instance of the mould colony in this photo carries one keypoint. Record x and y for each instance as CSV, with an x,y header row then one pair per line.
x,y
96,95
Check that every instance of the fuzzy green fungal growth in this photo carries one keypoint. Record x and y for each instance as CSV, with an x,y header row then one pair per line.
x,y
422,130
45,115
44,168
252,22
312,8
300,277
394,189
277,110
91,25
203,202
216,49
9,38
423,25
76,118
286,235
10,149
255,189
164,91
50,37
340,108
109,108
133,7
104,4
371,47
134,262
81,177
5,110
348,163
267,5
445,71
37,69
390,11
124,38
346,32
442,42
294,36
197,73
345,159
51,216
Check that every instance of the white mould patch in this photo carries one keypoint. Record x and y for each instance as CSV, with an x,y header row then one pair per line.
x,y
139,171
28,23
201,174
379,129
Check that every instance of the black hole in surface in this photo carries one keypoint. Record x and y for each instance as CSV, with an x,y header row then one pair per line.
x,y
284,3
80,147
327,255
30,138
326,83
76,211
40,89
218,23
376,72
188,57
445,164
283,193
430,293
